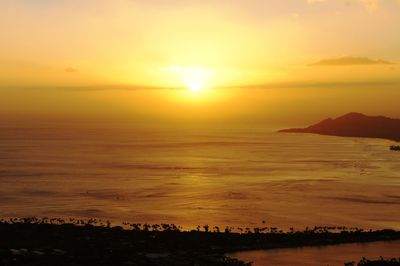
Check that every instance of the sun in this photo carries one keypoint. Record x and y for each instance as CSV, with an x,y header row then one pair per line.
x,y
195,79
195,86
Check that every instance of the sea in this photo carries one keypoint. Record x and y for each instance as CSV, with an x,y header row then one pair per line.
x,y
332,255
227,176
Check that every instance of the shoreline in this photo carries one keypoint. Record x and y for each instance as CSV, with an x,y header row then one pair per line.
x,y
54,242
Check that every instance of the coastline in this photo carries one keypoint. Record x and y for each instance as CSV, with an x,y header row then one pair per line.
x,y
57,242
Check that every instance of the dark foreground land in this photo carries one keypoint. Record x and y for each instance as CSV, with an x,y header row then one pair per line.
x,y
58,242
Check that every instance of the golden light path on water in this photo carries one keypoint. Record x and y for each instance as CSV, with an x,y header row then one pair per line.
x,y
229,177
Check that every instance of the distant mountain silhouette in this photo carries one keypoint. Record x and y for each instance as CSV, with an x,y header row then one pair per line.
x,y
355,125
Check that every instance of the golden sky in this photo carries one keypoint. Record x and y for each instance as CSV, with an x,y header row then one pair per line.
x,y
237,57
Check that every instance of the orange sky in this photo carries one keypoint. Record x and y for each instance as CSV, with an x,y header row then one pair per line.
x,y
283,61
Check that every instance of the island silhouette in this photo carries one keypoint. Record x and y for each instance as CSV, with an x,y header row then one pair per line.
x,y
354,125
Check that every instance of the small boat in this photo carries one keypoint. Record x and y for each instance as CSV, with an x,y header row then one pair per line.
x,y
395,148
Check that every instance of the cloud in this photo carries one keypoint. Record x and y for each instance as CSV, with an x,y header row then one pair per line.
x,y
118,87
70,70
350,61
370,5
315,1
320,84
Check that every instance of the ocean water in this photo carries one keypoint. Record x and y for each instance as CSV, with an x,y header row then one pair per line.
x,y
226,177
333,255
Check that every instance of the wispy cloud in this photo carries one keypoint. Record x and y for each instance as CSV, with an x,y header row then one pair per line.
x,y
350,61
70,70
371,5
315,1
117,87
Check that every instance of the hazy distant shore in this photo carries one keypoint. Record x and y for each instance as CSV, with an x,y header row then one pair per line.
x,y
354,125
57,242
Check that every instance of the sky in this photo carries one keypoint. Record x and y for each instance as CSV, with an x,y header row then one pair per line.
x,y
247,60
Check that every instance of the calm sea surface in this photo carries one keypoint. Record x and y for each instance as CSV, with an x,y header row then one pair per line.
x,y
335,255
196,177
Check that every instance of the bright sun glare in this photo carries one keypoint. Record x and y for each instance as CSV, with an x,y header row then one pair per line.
x,y
195,86
193,78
